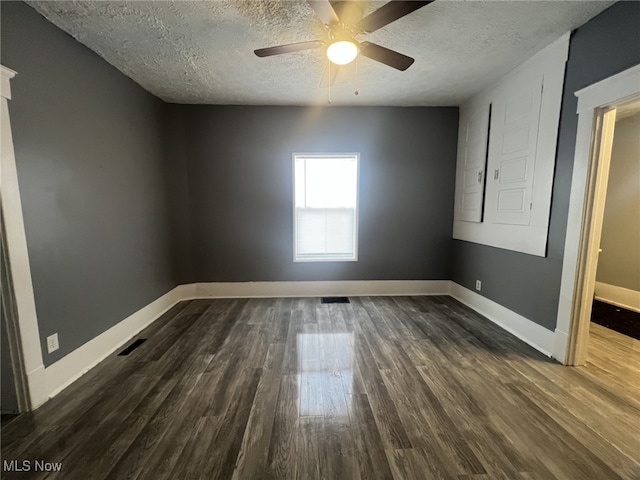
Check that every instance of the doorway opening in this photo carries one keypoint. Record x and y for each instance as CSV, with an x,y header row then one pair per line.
x,y
613,348
617,285
599,106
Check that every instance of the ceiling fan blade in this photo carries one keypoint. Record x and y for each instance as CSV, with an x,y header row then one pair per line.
x,y
388,13
288,48
329,75
386,56
325,11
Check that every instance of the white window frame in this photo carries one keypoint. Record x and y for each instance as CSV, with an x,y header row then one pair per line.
x,y
296,155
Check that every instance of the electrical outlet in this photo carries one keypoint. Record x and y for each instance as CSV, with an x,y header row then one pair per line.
x,y
478,285
52,343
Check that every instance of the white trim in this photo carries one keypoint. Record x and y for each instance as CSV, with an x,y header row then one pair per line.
x,y
526,330
586,266
37,382
560,341
574,229
607,92
611,90
68,369
186,291
619,296
319,289
17,251
6,74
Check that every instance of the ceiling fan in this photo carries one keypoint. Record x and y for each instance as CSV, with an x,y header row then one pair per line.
x,y
341,44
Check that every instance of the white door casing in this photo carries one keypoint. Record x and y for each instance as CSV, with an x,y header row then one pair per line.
x,y
596,112
27,323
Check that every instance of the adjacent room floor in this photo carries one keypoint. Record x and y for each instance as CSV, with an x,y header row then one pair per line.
x,y
382,387
621,320
614,360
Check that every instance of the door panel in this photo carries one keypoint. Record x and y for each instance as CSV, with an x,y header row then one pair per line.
x,y
472,157
512,152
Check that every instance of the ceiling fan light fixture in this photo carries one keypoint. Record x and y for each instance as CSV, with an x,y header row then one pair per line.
x,y
342,52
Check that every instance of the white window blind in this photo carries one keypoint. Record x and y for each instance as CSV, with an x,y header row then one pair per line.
x,y
325,207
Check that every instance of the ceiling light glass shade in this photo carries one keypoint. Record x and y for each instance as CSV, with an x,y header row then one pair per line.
x,y
342,52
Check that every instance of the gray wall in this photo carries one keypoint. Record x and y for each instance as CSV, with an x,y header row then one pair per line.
x,y
89,153
619,262
528,285
240,189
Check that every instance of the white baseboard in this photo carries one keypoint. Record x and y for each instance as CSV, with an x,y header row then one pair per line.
x,y
37,384
560,346
529,332
185,292
619,296
69,368
319,289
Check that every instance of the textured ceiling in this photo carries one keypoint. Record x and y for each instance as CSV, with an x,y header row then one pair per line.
x,y
202,52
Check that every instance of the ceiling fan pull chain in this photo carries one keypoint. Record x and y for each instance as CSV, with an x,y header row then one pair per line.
x,y
356,92
329,69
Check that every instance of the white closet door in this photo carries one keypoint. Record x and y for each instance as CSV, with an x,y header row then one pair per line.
x,y
472,151
512,152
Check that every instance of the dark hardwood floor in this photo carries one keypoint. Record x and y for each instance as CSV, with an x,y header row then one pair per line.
x,y
384,387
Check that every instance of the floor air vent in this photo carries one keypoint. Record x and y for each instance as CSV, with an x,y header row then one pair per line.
x,y
133,346
335,300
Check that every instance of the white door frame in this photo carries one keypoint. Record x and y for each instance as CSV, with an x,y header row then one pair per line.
x,y
596,119
24,326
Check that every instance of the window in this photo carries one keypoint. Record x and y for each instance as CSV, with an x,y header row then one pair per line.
x,y
325,207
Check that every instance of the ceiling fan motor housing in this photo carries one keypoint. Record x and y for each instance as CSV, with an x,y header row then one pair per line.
x,y
342,52
344,27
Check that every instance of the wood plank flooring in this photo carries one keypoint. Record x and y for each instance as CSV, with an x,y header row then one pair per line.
x,y
381,388
614,359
